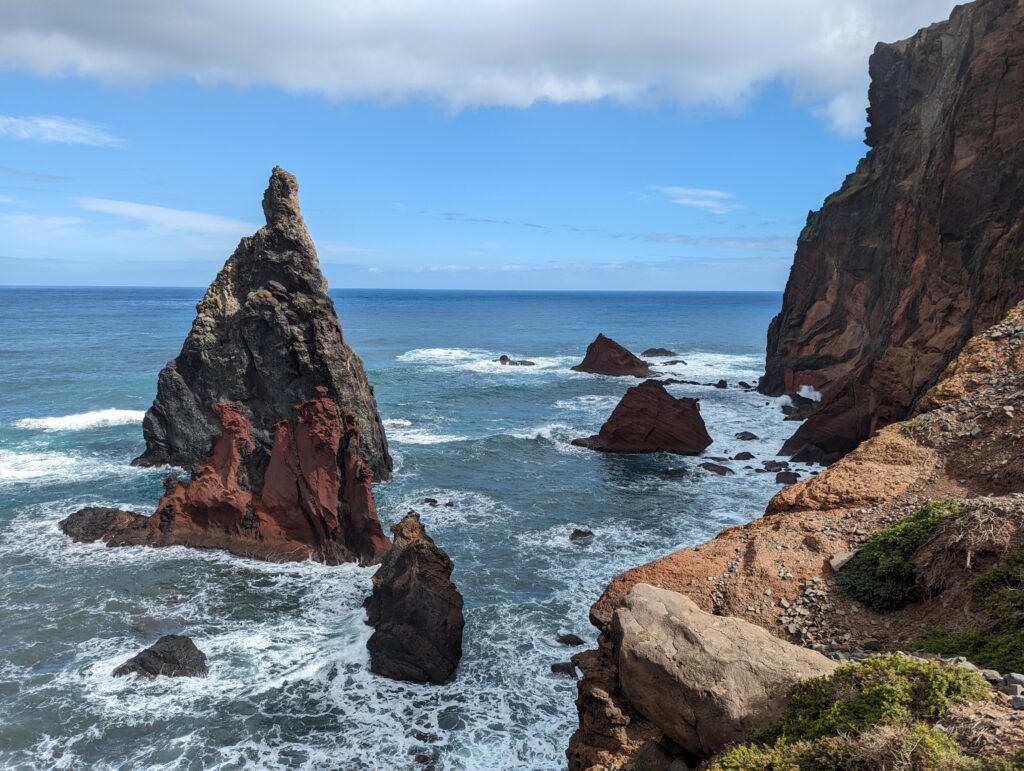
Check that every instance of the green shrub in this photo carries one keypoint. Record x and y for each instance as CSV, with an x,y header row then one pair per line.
x,y
1000,592
881,575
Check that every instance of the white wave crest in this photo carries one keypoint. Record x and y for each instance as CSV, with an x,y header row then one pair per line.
x,y
397,423
441,355
83,421
421,436
809,392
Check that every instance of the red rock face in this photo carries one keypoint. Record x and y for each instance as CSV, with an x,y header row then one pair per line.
x,y
606,357
921,247
650,419
316,501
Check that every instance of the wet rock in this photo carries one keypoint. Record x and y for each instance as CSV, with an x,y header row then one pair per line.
x,y
503,359
746,436
714,468
744,385
659,352
265,336
775,465
171,656
94,522
720,384
563,668
787,477
799,407
573,640
650,419
415,609
743,456
606,357
430,502
581,537
673,362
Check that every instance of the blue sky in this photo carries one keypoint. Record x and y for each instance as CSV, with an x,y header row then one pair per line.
x,y
131,164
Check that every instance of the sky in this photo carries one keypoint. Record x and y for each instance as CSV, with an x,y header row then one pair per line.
x,y
464,144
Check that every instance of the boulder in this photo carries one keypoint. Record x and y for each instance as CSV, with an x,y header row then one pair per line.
x,y
720,384
563,668
704,680
171,656
415,609
743,456
572,640
715,468
746,436
787,477
505,360
606,357
659,352
265,336
799,407
650,419
581,537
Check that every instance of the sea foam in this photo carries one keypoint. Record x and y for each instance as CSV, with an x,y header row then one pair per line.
x,y
83,421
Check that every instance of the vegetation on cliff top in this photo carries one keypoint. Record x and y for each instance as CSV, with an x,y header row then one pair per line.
x,y
1000,593
871,715
881,575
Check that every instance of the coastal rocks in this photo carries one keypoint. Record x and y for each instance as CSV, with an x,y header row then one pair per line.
x,y
919,250
606,357
581,537
316,501
704,680
799,408
717,468
746,436
264,336
415,609
171,656
570,639
650,419
659,352
508,362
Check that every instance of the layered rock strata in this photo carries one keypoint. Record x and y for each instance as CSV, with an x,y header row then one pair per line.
x,y
264,336
649,419
604,356
316,501
921,247
415,609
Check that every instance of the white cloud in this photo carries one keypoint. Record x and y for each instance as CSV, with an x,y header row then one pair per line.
x,y
477,52
713,201
54,128
167,219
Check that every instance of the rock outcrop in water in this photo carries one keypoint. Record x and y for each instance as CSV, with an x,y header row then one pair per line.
x,y
415,609
606,357
316,501
650,419
172,655
921,247
265,335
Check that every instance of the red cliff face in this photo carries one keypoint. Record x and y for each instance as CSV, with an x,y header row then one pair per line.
x,y
316,501
923,245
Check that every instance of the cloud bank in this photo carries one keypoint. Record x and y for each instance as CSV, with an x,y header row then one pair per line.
x,y
54,128
467,53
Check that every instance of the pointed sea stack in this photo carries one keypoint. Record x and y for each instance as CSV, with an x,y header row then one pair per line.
x,y
650,419
269,410
265,335
415,609
606,357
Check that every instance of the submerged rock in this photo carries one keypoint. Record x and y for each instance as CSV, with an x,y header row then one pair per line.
x,y
606,357
264,336
572,640
581,537
316,501
659,352
715,468
650,419
415,609
171,656
503,359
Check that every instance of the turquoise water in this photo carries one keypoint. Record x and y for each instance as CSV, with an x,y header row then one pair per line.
x,y
288,684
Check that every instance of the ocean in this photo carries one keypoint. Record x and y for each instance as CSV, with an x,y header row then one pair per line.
x,y
289,685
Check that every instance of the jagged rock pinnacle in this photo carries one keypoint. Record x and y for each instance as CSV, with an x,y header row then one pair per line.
x,y
281,199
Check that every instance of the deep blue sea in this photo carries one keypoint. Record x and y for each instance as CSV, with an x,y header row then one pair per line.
x,y
289,685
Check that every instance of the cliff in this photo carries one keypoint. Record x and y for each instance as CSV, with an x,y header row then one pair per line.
x,y
953,466
264,336
922,246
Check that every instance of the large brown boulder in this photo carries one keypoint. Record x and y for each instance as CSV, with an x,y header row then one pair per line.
x,y
264,336
704,680
606,357
415,609
921,247
650,419
315,503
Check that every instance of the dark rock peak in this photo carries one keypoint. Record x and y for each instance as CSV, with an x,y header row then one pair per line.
x,y
171,656
265,336
649,419
920,248
606,357
415,609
